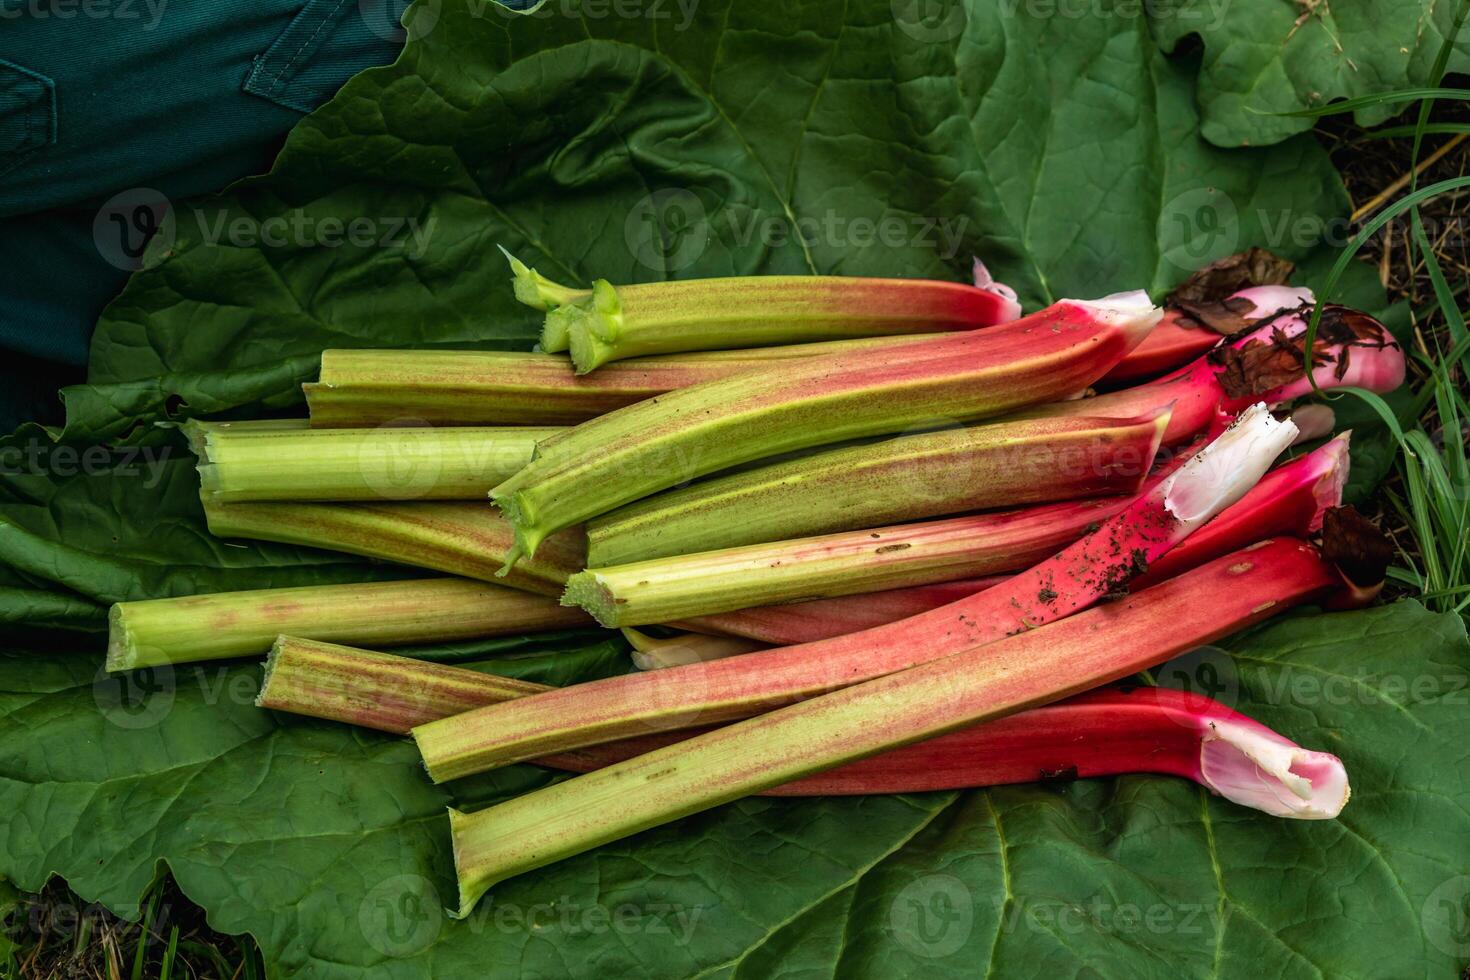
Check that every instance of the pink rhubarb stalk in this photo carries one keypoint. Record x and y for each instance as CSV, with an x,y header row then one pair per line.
x,y
1180,336
1352,349
720,690
1101,733
1107,733
1290,499
978,684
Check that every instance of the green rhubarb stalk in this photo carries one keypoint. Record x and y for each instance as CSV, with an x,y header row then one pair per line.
x,y
197,430
374,690
644,448
240,462
468,539
879,559
396,694
1003,464
1101,733
186,629
358,388
976,685
618,322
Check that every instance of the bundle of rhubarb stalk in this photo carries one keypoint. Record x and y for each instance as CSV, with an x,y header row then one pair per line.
x,y
862,536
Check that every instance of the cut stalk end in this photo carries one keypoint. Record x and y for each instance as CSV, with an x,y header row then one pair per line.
x,y
586,589
470,887
122,647
265,697
556,329
1221,473
594,331
1256,768
522,518
1132,313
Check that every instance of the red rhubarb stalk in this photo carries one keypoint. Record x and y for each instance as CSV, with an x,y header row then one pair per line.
x,y
1352,350
1180,336
1290,499
1101,733
1098,565
980,684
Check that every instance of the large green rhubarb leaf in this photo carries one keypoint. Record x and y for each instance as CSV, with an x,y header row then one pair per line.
x,y
1265,57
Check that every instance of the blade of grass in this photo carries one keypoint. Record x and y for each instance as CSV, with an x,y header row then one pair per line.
x,y
1380,98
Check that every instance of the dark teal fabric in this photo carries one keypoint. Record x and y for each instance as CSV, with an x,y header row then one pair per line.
x,y
103,97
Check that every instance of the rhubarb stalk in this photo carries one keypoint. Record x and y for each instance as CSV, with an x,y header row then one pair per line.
x,y
1181,336
242,462
1003,464
240,624
358,388
1100,733
618,322
817,619
1097,565
979,684
792,405
1351,350
467,539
